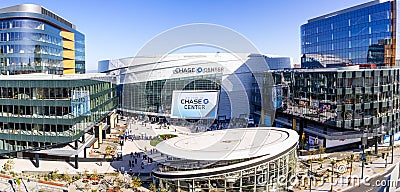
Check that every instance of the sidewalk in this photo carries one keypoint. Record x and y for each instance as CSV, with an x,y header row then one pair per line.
x,y
371,170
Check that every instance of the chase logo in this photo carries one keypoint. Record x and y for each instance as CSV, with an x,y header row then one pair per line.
x,y
199,70
205,101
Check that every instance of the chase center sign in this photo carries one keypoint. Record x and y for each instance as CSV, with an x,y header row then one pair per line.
x,y
194,104
186,70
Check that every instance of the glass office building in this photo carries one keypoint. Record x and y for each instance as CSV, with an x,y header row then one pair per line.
x,y
363,34
247,159
38,111
36,40
339,106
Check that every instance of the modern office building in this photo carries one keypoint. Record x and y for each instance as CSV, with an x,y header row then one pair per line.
x,y
35,40
243,159
363,34
339,106
47,114
276,62
153,86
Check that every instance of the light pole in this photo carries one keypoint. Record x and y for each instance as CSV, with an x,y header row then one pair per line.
x,y
363,160
310,173
363,154
392,143
333,162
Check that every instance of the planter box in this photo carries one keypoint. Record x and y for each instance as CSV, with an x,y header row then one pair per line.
x,y
51,183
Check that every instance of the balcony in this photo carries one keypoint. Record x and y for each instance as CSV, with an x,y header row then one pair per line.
x,y
357,122
375,120
347,124
376,104
367,120
368,89
384,119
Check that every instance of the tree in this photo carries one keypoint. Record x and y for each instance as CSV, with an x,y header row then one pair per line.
x,y
85,174
321,151
95,175
66,177
136,182
9,165
18,181
152,187
54,175
87,187
118,182
108,151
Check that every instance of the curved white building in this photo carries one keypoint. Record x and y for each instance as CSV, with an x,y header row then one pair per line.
x,y
243,159
167,86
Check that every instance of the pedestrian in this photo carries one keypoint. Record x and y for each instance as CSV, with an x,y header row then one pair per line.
x,y
135,161
130,163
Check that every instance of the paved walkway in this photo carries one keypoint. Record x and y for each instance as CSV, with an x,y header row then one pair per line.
x,y
375,167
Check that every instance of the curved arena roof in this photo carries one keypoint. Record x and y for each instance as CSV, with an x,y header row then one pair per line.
x,y
230,144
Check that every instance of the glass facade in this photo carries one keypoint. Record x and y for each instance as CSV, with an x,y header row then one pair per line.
x,y
271,175
40,42
156,96
41,113
80,53
28,45
363,100
363,34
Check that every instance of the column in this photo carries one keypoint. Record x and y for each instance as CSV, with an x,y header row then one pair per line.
x,y
241,181
294,124
76,144
36,160
76,161
255,179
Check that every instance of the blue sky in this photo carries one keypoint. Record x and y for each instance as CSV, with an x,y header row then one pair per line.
x,y
119,28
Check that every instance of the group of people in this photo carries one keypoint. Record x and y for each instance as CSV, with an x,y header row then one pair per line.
x,y
134,160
